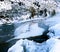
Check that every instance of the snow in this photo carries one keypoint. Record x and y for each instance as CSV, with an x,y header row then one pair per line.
x,y
5,6
54,25
1,22
53,20
4,21
25,31
29,20
28,46
54,44
56,47
24,17
54,30
17,47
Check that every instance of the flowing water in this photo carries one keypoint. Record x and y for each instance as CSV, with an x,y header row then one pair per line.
x,y
6,33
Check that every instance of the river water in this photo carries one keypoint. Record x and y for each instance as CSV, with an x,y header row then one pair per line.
x,y
6,33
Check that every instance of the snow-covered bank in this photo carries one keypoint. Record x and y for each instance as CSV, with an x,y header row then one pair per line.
x,y
54,25
51,45
17,47
54,30
28,30
28,46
